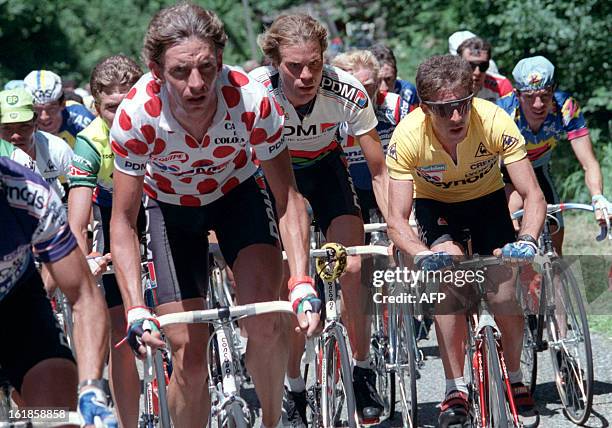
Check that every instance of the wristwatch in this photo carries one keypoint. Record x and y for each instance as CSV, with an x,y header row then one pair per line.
x,y
527,238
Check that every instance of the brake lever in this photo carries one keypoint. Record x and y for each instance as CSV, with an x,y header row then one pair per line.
x,y
604,228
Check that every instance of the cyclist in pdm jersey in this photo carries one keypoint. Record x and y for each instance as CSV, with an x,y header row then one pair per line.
x,y
389,109
42,152
447,154
54,114
187,133
91,186
38,362
316,99
546,117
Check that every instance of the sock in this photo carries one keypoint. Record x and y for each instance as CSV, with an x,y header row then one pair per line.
x,y
363,364
457,384
296,384
279,424
515,377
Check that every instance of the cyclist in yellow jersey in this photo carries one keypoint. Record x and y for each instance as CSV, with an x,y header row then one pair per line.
x,y
443,157
91,184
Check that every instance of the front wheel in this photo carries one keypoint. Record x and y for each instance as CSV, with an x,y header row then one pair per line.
x,y
337,382
404,365
569,342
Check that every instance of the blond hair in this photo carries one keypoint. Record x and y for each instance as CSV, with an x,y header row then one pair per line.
x,y
354,60
289,30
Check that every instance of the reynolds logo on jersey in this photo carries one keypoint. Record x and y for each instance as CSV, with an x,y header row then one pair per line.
x,y
26,195
346,91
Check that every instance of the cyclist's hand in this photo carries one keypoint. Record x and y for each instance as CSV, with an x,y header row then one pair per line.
x,y
306,304
517,252
430,261
143,329
93,405
600,203
98,264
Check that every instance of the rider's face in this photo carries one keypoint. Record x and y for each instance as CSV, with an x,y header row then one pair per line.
x,y
108,102
369,81
50,116
387,75
301,71
189,73
19,134
450,129
478,59
536,104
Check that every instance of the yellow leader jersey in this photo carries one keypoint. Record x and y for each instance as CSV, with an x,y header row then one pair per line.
x,y
415,154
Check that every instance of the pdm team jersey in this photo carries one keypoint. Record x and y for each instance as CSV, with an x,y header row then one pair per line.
x,y
340,98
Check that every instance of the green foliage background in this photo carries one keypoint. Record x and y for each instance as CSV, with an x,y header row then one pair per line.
x,y
70,36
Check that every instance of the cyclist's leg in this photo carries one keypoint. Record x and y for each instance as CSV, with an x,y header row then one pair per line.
x,y
36,354
177,245
123,376
252,250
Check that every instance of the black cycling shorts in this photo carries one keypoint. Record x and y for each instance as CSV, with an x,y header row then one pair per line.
x,y
30,332
102,246
545,181
329,189
177,241
487,219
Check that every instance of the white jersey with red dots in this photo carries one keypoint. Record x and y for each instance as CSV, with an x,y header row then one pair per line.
x,y
340,98
178,169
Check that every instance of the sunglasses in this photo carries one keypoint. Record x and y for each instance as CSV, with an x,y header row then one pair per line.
x,y
446,109
482,66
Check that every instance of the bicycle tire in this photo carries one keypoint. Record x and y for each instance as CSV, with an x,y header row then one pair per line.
x,y
160,374
335,352
497,401
405,365
576,395
385,378
529,353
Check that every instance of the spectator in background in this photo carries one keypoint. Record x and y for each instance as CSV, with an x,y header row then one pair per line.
x,y
388,76
488,84
54,115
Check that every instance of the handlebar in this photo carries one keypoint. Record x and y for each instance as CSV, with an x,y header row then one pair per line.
x,y
604,228
225,313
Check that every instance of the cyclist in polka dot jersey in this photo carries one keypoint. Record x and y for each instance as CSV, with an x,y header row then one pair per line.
x,y
187,134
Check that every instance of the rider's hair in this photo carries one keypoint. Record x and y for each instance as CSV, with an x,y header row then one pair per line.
x,y
177,23
114,72
354,60
443,72
475,44
289,30
384,55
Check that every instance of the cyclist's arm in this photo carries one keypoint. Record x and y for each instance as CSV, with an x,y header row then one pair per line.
x,y
291,209
91,322
525,182
583,149
373,153
400,206
127,193
79,209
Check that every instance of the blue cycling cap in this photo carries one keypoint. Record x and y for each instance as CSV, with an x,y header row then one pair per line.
x,y
14,84
533,73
